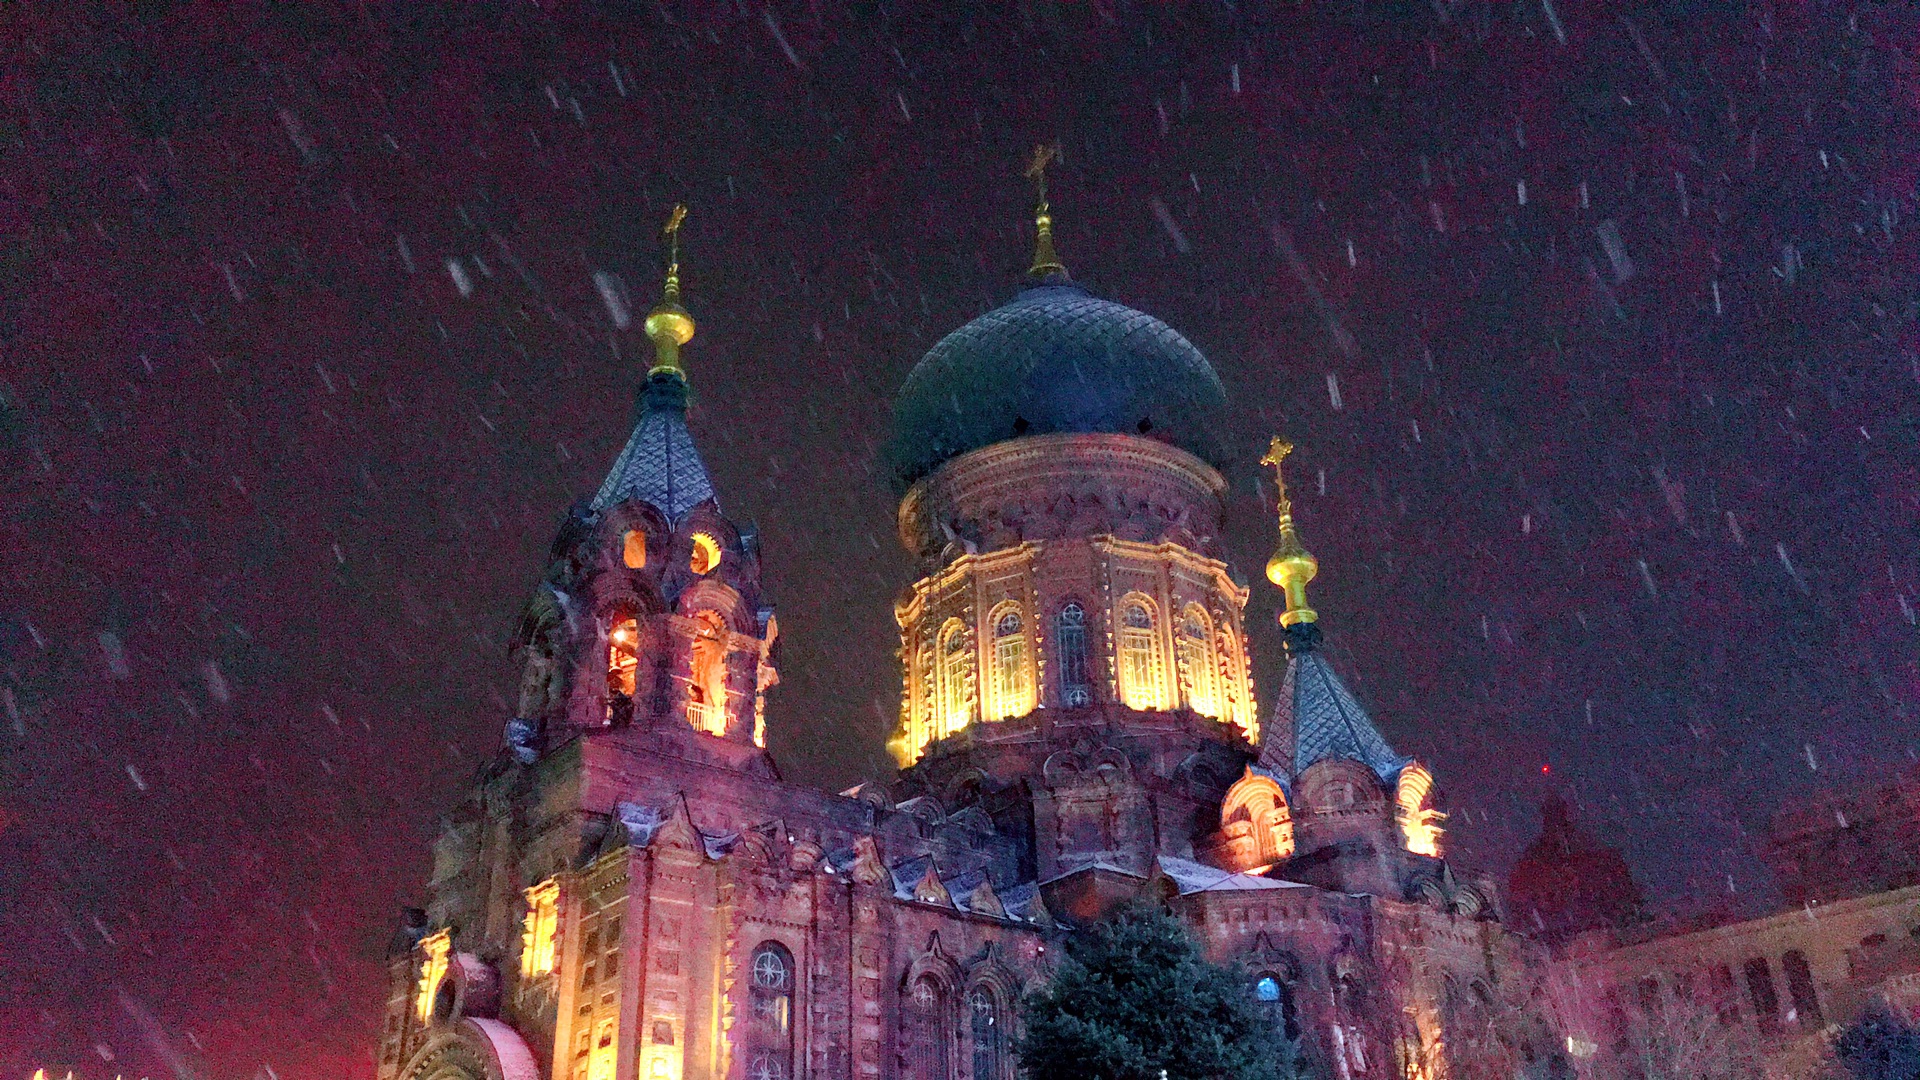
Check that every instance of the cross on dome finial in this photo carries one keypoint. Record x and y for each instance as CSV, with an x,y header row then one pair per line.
x,y
671,233
1291,565
668,324
1046,263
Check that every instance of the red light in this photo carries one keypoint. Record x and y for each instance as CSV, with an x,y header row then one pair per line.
x,y
1544,770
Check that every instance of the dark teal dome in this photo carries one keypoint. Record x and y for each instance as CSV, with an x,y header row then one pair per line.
x,y
1056,359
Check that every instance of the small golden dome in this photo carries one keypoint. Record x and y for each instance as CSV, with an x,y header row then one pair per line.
x,y
1291,561
670,320
1292,565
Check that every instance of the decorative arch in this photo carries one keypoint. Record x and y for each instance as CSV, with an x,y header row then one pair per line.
x,y
953,653
1070,655
710,594
1257,820
1198,670
622,636
772,978
1273,995
1012,671
1420,828
928,1007
473,1049
993,995
1235,701
1338,786
989,1039
1143,665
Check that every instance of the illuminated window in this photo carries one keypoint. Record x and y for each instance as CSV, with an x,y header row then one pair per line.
x,y
634,549
707,674
543,921
769,1034
1196,662
1070,643
433,967
1419,821
1140,660
706,554
1012,689
956,695
623,655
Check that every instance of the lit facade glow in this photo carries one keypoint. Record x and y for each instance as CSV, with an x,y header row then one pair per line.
x,y
1142,662
434,949
706,554
623,655
542,928
1420,823
982,641
956,680
707,675
1198,670
1012,677
1256,822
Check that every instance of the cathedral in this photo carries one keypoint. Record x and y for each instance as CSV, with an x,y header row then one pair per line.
x,y
632,891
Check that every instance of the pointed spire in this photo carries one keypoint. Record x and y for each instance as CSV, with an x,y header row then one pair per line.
x,y
1291,565
1046,263
668,324
660,465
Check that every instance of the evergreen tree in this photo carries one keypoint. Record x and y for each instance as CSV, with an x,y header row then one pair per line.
x,y
1878,1046
1133,999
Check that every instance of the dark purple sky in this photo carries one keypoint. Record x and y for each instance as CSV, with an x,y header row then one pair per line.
x,y
1597,331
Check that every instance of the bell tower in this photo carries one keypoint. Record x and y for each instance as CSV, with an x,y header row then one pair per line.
x,y
1328,795
650,616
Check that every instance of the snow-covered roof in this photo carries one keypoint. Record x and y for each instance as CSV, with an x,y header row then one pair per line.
x,y
1192,877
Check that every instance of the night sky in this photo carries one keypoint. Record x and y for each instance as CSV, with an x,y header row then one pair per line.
x,y
1597,332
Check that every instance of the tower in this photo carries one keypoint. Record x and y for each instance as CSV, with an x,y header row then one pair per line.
x,y
650,616
1073,648
1327,794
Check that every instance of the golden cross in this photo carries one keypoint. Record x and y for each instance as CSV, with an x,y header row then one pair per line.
x,y
1044,155
672,232
1277,452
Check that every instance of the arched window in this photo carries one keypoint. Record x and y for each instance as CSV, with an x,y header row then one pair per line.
x,y
1800,989
769,1035
956,696
1012,689
1760,991
1070,645
623,659
633,549
1140,662
707,674
1196,662
1275,999
988,1038
926,1032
